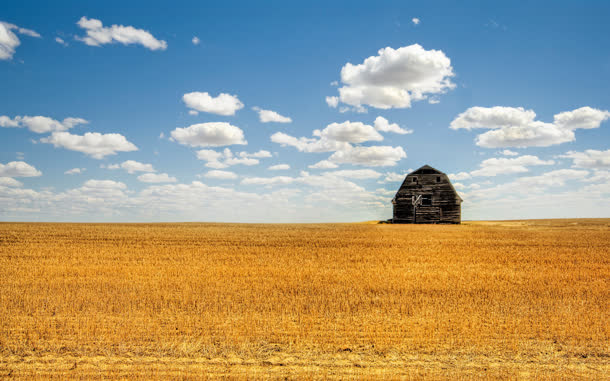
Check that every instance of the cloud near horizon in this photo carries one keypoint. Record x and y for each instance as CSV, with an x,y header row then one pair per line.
x,y
517,127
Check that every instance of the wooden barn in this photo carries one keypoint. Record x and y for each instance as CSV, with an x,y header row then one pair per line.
x,y
426,196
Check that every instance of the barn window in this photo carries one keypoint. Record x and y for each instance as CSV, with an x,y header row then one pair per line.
x,y
426,200
414,179
438,179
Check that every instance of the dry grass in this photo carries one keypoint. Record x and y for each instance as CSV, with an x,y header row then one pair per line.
x,y
496,299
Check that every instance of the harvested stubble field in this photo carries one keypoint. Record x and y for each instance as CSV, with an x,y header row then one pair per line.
x,y
525,299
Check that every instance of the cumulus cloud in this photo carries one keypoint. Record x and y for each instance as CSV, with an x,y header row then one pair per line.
x,y
589,158
328,180
459,176
279,167
9,182
517,127
97,35
267,116
355,173
382,124
332,102
226,158
212,134
156,178
323,164
338,138
9,40
335,137
393,177
40,124
74,171
223,104
501,166
308,144
258,154
223,175
104,184
18,169
349,132
277,180
375,156
93,144
132,166
396,77
195,40
584,117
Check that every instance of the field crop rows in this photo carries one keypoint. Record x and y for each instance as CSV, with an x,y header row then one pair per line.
x,y
497,299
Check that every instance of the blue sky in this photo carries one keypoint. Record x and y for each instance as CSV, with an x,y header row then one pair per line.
x,y
509,98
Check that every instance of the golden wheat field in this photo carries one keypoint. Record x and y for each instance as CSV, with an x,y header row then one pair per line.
x,y
514,299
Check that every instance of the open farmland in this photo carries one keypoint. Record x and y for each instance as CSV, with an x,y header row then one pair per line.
x,y
489,299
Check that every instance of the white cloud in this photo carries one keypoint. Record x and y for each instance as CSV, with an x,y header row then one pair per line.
x,y
74,171
9,40
584,117
232,160
516,127
98,35
267,116
156,178
223,104
589,158
226,158
104,184
349,132
223,175
332,102
209,155
18,169
459,176
415,21
396,77
334,83
41,124
508,152
500,166
375,156
132,166
382,124
7,122
279,167
9,182
393,177
355,173
93,144
195,40
258,154
61,41
308,144
324,164
193,112
212,134
277,180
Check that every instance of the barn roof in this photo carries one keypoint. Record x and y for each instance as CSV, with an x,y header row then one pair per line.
x,y
428,170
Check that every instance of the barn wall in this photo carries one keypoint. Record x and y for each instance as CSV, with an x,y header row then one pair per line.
x,y
445,207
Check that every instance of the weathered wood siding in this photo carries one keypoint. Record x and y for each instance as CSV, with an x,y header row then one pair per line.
x,y
445,203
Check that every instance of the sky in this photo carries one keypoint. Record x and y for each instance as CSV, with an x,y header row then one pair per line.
x,y
301,111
